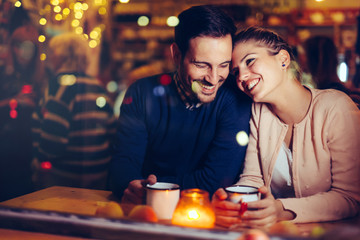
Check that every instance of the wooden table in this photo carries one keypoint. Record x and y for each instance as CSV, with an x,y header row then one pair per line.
x,y
70,212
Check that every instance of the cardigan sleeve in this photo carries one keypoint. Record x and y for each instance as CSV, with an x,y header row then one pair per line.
x,y
342,130
252,175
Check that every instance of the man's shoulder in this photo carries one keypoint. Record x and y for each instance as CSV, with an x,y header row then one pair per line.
x,y
231,92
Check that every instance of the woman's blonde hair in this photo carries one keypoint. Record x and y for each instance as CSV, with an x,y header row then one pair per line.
x,y
73,49
273,42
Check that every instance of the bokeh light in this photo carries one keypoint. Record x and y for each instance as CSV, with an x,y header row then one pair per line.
x,y
143,21
42,21
100,102
17,4
242,138
102,11
58,17
57,9
112,86
172,21
159,91
67,80
93,43
41,38
43,57
124,1
75,23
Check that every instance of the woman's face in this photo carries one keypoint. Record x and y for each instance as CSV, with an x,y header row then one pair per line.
x,y
257,73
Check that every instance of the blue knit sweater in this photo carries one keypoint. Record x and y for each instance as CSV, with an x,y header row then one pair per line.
x,y
194,148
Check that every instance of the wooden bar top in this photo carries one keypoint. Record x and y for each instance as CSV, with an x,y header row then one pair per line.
x,y
78,202
63,199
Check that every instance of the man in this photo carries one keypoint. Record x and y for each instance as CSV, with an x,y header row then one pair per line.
x,y
182,127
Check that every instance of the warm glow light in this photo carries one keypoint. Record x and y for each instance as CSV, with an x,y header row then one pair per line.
x,y
41,38
67,80
172,21
78,15
46,165
343,72
66,11
94,34
85,6
78,6
54,2
193,215
79,30
112,86
47,8
26,89
100,102
13,103
13,114
43,57
99,2
42,21
93,43
124,1
242,138
194,210
102,11
57,9
17,4
143,21
58,17
75,23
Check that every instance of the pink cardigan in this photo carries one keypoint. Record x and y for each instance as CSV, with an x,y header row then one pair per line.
x,y
326,156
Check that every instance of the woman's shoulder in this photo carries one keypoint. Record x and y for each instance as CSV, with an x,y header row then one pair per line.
x,y
330,98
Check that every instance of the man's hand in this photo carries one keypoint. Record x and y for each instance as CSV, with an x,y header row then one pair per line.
x,y
135,192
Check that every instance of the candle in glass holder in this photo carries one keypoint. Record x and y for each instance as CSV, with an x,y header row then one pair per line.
x,y
194,210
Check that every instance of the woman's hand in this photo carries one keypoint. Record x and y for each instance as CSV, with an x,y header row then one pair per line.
x,y
265,212
227,213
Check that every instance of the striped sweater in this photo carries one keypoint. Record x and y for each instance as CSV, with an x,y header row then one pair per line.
x,y
72,129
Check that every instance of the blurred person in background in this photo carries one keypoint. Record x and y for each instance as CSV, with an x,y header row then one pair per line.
x,y
182,127
303,152
74,123
22,76
321,61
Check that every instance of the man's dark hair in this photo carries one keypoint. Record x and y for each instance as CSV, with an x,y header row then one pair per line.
x,y
201,21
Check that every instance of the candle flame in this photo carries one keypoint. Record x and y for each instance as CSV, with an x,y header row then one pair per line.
x,y
193,215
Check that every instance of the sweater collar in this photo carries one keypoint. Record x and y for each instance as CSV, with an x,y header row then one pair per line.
x,y
189,101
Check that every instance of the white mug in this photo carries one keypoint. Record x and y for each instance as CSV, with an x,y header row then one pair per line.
x,y
241,193
163,198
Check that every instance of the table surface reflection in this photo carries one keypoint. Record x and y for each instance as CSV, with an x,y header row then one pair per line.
x,y
84,202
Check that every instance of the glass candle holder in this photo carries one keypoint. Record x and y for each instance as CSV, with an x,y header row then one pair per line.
x,y
194,210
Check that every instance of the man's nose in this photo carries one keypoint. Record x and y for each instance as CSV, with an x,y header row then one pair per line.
x,y
213,76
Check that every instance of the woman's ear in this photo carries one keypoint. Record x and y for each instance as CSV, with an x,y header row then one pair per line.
x,y
284,58
175,54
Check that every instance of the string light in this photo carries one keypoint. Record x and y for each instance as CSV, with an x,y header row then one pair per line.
x,y
41,38
42,21
17,4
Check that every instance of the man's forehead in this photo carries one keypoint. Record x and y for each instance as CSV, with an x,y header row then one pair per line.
x,y
210,47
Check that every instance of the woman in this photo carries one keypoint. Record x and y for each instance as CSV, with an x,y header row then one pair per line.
x,y
303,153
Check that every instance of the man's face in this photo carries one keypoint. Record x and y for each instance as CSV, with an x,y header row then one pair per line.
x,y
205,66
